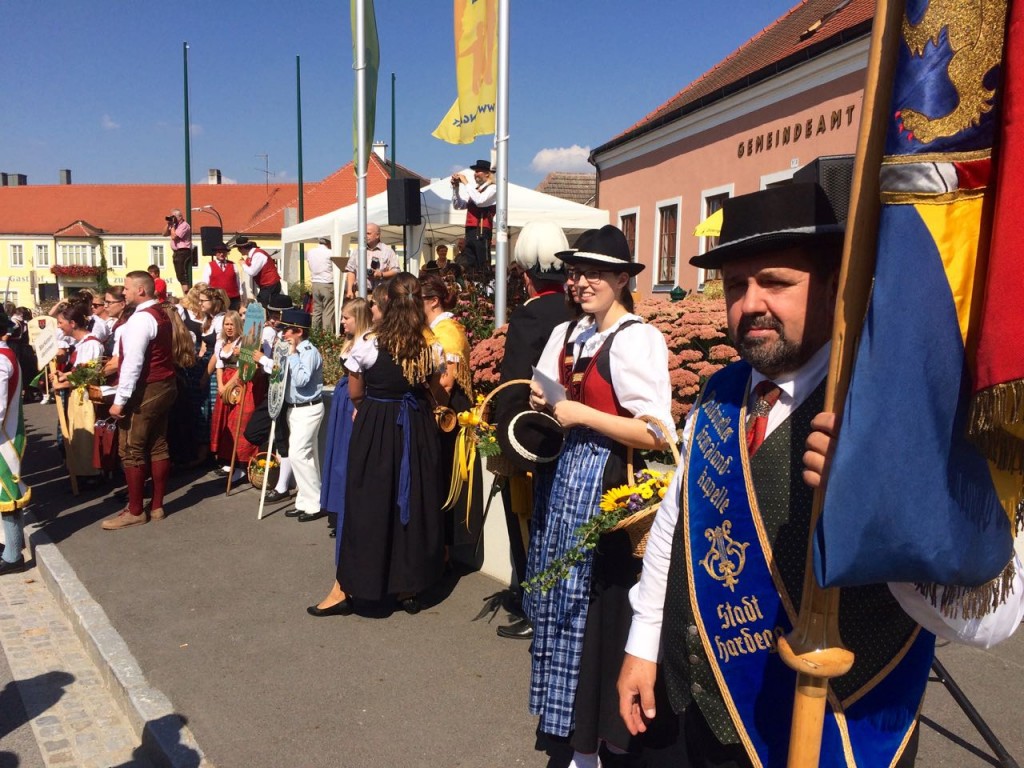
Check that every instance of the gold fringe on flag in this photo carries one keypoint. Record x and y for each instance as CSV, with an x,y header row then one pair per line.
x,y
996,425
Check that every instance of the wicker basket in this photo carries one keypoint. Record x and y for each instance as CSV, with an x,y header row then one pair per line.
x,y
256,471
96,395
638,526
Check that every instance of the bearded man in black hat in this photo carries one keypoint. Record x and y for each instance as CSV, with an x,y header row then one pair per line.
x,y
478,200
722,578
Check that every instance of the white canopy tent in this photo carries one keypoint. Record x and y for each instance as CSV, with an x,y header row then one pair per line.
x,y
441,221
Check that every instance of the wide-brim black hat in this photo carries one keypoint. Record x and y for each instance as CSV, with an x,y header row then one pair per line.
x,y
279,302
531,439
607,249
244,242
793,215
482,165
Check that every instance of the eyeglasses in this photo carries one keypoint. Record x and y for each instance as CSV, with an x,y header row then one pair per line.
x,y
206,299
591,275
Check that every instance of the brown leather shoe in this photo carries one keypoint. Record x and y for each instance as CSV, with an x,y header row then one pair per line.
x,y
124,519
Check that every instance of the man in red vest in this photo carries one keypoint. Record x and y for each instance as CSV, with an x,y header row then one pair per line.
x,y
258,265
146,390
478,200
221,273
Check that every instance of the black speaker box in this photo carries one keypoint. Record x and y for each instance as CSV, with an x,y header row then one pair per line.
x,y
404,202
211,237
834,174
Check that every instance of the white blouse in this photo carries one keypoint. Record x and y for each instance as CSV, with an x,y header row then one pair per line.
x,y
363,354
638,358
88,350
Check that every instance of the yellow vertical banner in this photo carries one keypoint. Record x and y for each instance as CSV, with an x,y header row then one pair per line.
x,y
476,72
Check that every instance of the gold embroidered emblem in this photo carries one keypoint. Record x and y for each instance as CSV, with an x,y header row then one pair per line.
x,y
975,34
725,560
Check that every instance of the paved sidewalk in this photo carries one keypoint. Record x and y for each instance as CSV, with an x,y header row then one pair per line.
x,y
211,604
54,688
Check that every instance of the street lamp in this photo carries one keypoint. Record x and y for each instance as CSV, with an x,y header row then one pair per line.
x,y
211,209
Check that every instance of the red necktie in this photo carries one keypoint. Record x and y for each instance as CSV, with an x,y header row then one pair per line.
x,y
766,394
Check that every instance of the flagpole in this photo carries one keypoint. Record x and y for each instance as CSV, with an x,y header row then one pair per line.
x,y
814,648
361,143
188,145
298,124
501,141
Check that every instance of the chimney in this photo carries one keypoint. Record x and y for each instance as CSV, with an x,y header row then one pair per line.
x,y
65,176
214,177
3,179
17,180
380,149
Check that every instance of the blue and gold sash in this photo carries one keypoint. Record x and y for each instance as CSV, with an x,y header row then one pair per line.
x,y
741,606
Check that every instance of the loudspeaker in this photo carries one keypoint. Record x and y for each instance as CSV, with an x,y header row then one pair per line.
x,y
211,237
404,202
834,174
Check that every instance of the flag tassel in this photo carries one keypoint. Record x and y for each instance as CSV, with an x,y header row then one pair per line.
x,y
958,602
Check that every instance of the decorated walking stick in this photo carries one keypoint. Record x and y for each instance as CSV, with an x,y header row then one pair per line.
x,y
814,648
275,402
252,330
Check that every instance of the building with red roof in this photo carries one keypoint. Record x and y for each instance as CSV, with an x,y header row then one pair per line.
x,y
53,237
787,96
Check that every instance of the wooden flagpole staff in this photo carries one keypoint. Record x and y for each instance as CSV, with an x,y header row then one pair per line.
x,y
238,431
814,648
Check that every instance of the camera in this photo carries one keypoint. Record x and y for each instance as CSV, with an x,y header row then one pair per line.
x,y
169,219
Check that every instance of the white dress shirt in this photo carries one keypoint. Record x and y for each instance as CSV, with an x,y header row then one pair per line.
x,y
648,596
483,195
136,334
321,270
254,263
639,363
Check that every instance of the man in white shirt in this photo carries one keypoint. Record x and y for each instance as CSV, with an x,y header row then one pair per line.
x,y
479,201
321,274
381,263
722,580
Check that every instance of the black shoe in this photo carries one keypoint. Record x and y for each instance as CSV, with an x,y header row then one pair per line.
x,y
220,472
16,567
343,608
410,605
332,532
274,495
520,629
293,512
308,517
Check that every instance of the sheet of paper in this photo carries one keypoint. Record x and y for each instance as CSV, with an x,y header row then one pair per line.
x,y
553,390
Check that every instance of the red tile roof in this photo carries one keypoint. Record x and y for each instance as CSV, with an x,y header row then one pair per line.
x,y
806,31
139,209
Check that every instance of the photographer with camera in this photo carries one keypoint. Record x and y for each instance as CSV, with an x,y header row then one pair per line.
x,y
478,200
381,263
181,244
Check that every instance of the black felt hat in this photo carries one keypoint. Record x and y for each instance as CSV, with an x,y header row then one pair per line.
x,y
242,242
773,220
607,249
482,165
531,439
279,302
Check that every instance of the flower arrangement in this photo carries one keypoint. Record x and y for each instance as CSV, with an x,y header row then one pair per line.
x,y
485,360
87,374
74,270
617,505
478,430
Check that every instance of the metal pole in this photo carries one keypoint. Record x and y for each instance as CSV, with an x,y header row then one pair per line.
x,y
501,140
188,146
298,110
361,142
394,149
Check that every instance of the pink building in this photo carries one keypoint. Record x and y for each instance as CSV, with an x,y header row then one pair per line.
x,y
789,95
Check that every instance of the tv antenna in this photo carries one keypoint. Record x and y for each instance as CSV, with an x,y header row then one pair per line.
x,y
265,170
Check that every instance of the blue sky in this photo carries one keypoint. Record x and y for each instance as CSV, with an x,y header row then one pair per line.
x,y
97,86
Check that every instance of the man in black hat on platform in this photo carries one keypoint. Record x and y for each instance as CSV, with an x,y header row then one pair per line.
x,y
724,567
478,200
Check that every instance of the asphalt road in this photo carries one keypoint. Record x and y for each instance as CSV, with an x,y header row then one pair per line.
x,y
212,604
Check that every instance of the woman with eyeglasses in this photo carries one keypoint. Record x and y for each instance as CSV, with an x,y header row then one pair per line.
x,y
213,304
392,539
613,368
73,321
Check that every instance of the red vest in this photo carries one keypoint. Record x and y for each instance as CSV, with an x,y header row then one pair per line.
x,y
267,276
589,380
225,278
483,218
158,364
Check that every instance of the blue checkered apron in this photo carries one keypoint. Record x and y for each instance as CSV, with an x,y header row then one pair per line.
x,y
562,503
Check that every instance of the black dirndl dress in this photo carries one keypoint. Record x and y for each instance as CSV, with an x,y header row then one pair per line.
x,y
392,537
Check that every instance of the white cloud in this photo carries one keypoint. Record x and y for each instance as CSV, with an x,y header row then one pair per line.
x,y
108,123
572,158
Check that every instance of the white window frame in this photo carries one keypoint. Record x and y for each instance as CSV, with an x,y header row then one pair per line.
x,y
113,261
42,248
69,249
655,255
772,178
156,255
702,245
16,248
9,297
636,230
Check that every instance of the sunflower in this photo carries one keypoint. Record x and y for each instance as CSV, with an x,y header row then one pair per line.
x,y
615,498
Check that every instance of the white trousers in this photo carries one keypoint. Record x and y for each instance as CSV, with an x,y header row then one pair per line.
x,y
304,453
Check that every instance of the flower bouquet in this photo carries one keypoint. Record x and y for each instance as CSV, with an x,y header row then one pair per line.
x,y
630,507
478,430
259,465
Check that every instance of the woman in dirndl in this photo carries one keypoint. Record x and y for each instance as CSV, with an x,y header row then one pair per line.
x,y
614,368
355,322
73,321
392,537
